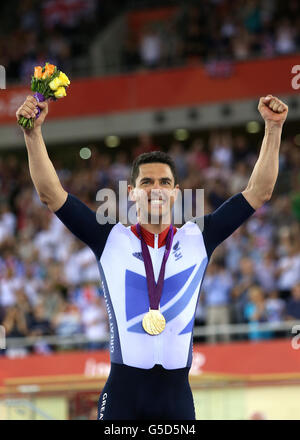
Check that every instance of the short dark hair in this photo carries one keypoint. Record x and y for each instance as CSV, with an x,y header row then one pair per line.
x,y
153,157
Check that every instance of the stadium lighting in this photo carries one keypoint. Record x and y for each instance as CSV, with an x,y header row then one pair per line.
x,y
112,141
85,153
253,127
181,134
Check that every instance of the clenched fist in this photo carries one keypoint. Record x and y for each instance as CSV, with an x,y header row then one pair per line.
x,y
273,110
29,110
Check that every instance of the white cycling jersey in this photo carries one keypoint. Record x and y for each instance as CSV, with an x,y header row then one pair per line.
x,y
122,272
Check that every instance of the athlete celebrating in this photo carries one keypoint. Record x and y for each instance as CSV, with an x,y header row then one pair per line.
x,y
151,272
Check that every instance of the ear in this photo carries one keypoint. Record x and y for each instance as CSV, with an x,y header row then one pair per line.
x,y
131,193
176,190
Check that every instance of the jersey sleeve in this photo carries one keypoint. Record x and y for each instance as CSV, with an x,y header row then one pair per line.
x,y
82,222
221,223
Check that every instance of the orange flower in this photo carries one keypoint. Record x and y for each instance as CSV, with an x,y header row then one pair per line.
x,y
38,72
49,68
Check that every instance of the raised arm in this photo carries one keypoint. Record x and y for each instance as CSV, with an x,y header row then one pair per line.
x,y
75,215
41,169
263,178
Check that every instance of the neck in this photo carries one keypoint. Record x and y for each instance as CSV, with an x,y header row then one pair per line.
x,y
155,229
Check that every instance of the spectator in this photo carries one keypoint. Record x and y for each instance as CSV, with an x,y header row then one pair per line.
x,y
8,287
40,326
221,147
150,48
246,279
240,178
266,270
285,37
81,266
255,313
145,145
67,323
52,298
235,247
197,157
84,295
293,304
275,311
216,289
288,270
7,222
95,324
177,152
15,325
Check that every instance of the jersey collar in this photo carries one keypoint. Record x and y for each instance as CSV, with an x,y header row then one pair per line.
x,y
150,238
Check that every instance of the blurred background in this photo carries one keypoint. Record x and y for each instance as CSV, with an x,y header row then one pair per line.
x,y
180,76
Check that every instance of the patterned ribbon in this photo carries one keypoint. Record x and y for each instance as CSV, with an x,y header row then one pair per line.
x,y
155,290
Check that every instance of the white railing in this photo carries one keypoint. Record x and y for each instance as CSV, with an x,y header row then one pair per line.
x,y
290,327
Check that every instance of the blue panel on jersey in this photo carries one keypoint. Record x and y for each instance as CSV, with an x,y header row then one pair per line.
x,y
137,328
189,327
136,293
173,284
181,304
177,308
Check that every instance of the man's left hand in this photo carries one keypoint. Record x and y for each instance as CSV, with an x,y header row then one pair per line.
x,y
273,110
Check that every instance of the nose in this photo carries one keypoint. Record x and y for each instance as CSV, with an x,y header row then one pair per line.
x,y
156,190
156,185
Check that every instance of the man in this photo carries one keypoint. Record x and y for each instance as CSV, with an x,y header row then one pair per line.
x,y
150,301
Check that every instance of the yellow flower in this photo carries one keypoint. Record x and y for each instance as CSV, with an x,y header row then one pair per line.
x,y
55,83
60,92
64,79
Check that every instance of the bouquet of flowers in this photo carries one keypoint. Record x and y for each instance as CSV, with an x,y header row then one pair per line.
x,y
48,83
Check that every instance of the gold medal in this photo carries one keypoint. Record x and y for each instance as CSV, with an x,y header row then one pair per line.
x,y
154,322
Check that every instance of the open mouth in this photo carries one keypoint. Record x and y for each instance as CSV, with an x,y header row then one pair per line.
x,y
157,202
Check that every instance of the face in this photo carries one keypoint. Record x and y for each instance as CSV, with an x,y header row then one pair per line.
x,y
154,193
255,294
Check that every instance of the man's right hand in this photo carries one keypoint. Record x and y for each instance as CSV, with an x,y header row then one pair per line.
x,y
29,110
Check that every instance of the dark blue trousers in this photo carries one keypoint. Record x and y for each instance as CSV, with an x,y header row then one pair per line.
x,y
132,393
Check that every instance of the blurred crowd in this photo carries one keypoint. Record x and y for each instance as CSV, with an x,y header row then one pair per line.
x,y
58,31
211,32
216,33
49,281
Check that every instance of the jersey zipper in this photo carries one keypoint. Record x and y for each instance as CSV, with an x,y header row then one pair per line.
x,y
155,241
158,337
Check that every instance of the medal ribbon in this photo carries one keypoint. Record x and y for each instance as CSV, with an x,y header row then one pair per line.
x,y
155,290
